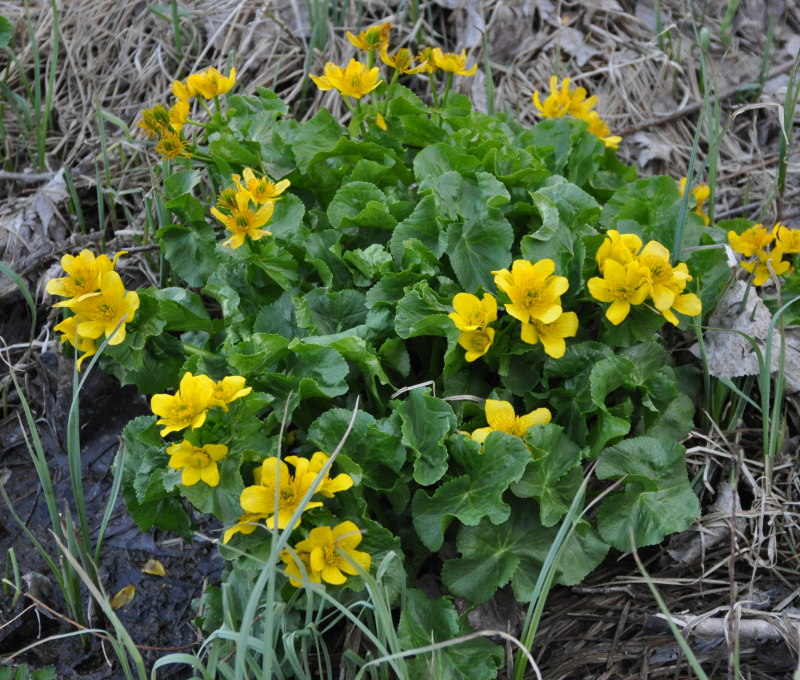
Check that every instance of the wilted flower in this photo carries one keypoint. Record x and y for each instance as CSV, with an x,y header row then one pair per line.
x,y
155,121
172,145
402,60
501,418
199,463
354,81
374,38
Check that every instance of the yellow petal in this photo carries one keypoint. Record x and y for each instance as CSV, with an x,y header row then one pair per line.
x,y
154,568
123,597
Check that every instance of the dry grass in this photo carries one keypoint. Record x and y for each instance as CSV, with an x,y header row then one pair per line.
x,y
120,57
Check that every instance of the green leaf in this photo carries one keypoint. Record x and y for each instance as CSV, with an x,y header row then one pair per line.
x,y
379,454
181,182
322,370
221,501
324,312
231,154
478,246
658,498
6,32
437,159
369,264
418,308
360,204
421,224
277,264
182,310
191,251
426,422
259,353
478,493
424,621
554,475
319,134
491,555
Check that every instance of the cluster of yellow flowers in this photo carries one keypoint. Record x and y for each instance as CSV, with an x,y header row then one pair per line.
x,y
188,407
535,300
631,274
166,125
564,101
701,193
240,218
765,250
277,495
99,303
358,79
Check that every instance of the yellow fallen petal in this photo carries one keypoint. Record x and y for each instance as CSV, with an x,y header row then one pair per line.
x,y
154,568
123,597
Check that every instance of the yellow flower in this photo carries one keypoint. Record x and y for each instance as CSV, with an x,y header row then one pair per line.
x,y
103,311
229,389
374,38
621,248
752,240
187,407
172,145
688,304
354,81
501,418
534,292
244,222
766,263
472,313
247,525
84,273
427,62
701,193
561,101
178,114
155,121
210,82
380,121
477,343
788,239
665,281
263,496
598,128
452,62
622,286
183,90
198,462
290,559
69,329
308,470
552,334
402,61
261,189
332,552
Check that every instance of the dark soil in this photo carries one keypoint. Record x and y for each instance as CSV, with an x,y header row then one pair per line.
x,y
159,618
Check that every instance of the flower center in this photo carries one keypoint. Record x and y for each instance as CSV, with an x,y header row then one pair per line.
x,y
199,459
330,555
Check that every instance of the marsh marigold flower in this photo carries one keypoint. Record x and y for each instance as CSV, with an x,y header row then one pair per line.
x,y
261,498
665,281
426,60
308,470
69,330
751,240
228,390
374,38
199,463
172,145
210,82
178,114
534,291
84,272
701,193
765,263
687,303
452,62
332,552
155,121
477,343
261,189
622,286
247,524
598,127
354,81
102,312
293,560
551,335
563,101
402,60
187,407
621,248
472,313
788,240
244,222
183,90
501,418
